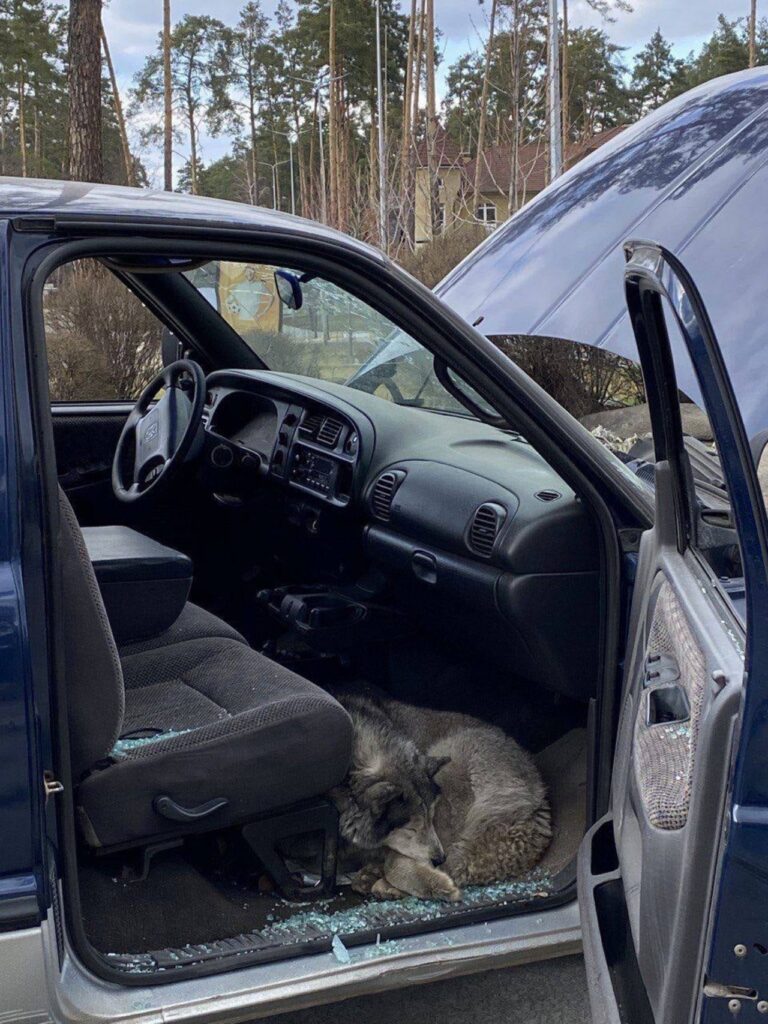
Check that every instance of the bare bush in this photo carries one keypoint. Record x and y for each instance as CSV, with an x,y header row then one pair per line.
x,y
103,343
433,260
582,378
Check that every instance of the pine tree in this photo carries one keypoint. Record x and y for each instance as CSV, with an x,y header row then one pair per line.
x,y
199,65
599,99
656,74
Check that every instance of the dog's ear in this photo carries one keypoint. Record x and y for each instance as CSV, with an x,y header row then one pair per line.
x,y
380,794
434,764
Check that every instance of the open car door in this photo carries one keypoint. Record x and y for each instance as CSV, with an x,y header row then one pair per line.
x,y
673,881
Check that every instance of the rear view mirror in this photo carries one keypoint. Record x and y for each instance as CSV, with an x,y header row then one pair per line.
x,y
171,347
289,289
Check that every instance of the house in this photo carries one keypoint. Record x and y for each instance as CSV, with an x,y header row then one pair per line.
x,y
497,193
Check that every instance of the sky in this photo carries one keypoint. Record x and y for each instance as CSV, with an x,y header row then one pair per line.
x,y
132,27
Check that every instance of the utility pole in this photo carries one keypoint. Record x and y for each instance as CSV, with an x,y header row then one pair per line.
x,y
167,100
429,14
753,34
553,96
380,114
323,190
293,186
480,160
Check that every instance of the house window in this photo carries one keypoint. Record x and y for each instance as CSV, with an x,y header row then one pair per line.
x,y
486,213
441,217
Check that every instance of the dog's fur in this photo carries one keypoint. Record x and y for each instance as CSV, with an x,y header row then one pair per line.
x,y
436,800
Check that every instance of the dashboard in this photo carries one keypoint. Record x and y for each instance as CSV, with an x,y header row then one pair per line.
x,y
450,509
273,433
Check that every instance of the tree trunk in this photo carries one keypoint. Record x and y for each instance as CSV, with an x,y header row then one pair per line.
x,y
22,121
127,159
192,134
333,119
753,34
312,209
36,137
252,101
85,147
417,72
167,100
343,159
480,159
513,199
3,109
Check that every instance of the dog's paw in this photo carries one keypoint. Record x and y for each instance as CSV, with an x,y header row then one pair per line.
x,y
442,887
364,880
384,891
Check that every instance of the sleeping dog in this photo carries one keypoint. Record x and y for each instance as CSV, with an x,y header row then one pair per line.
x,y
435,800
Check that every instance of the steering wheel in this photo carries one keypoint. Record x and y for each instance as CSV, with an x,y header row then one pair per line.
x,y
162,433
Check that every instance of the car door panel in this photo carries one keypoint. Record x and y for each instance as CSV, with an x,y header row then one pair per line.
x,y
85,437
672,761
647,903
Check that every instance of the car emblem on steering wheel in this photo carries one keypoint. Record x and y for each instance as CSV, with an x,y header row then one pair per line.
x,y
151,432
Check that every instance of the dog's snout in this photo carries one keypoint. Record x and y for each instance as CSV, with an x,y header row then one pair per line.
x,y
438,860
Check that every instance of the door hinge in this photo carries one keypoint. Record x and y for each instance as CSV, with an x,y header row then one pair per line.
x,y
51,785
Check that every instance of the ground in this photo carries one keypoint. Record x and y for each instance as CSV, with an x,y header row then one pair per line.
x,y
550,992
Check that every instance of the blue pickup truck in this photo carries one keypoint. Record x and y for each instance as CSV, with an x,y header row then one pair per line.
x,y
246,463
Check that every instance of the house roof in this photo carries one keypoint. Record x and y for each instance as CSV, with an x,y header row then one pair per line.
x,y
447,152
496,170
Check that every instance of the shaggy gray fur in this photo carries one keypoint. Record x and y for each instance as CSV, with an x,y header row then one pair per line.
x,y
434,788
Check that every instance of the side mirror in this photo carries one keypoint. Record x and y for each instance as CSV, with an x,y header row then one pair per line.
x,y
288,288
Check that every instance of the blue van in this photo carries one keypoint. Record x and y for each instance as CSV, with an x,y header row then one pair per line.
x,y
247,463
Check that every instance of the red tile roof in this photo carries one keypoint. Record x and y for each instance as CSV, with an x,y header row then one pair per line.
x,y
496,170
447,153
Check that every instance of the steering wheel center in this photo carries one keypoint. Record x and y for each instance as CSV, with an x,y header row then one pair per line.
x,y
160,431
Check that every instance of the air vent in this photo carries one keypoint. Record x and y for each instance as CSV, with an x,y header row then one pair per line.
x,y
383,492
329,432
484,528
311,424
548,495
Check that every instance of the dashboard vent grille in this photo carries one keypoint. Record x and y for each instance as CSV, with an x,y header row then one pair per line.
x,y
484,528
548,495
383,493
329,432
311,424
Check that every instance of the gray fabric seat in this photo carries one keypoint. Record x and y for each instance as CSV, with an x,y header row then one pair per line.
x,y
195,715
194,623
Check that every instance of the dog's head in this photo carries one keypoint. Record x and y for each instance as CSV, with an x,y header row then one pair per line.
x,y
389,801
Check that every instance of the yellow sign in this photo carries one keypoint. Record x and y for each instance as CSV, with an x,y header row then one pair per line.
x,y
248,299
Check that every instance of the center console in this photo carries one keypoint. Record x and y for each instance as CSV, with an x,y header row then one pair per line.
x,y
144,584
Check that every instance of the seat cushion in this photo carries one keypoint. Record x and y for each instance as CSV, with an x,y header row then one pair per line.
x,y
194,623
210,718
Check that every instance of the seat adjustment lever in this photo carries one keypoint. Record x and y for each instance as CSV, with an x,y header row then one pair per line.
x,y
167,807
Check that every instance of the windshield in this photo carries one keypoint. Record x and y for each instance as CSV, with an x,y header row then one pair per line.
x,y
303,324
